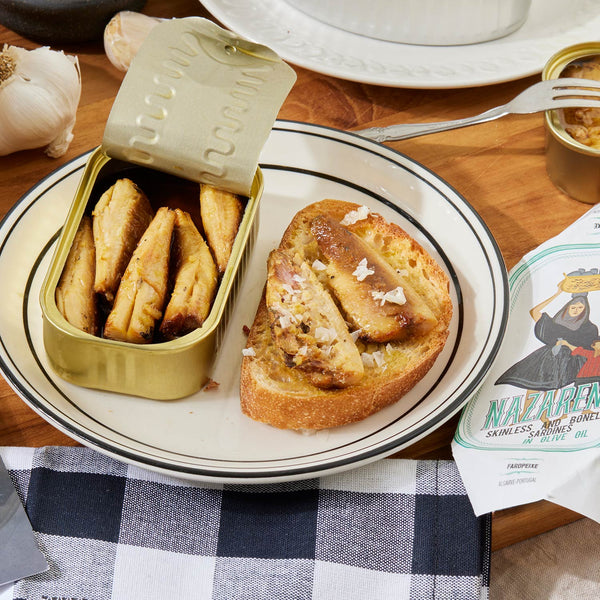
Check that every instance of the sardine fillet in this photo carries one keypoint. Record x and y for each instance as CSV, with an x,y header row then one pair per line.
x,y
360,279
75,297
307,325
143,290
195,280
120,218
221,214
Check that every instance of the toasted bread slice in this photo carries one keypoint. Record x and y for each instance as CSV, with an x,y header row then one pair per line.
x,y
273,392
196,280
120,218
75,297
221,214
142,293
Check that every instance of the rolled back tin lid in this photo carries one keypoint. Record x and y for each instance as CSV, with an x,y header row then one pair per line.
x,y
198,102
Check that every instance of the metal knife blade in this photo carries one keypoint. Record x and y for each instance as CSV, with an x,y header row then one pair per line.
x,y
19,552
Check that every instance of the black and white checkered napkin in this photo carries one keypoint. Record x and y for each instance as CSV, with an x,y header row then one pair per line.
x,y
393,529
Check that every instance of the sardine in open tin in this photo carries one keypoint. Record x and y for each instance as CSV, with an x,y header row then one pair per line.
x,y
166,165
572,166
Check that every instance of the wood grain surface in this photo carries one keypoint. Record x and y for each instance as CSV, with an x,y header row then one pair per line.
x,y
499,167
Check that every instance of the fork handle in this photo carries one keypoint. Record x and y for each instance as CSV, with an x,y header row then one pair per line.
x,y
404,131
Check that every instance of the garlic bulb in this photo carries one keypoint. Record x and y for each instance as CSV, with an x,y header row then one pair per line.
x,y
124,35
39,96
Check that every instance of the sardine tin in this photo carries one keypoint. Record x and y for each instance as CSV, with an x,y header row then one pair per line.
x,y
164,370
202,80
573,167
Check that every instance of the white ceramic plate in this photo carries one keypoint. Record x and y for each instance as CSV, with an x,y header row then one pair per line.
x,y
304,41
205,436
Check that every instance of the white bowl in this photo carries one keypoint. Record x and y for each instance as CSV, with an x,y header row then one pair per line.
x,y
425,22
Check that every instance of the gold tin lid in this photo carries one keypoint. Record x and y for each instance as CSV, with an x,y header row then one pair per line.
x,y
198,102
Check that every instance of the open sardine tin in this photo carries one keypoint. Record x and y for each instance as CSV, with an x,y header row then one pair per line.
x,y
196,106
572,165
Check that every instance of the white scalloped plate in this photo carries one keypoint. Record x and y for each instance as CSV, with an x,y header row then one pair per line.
x,y
205,436
301,40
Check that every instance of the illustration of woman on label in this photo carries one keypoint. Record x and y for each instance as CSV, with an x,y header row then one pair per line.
x,y
554,365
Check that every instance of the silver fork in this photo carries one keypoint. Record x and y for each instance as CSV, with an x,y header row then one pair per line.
x,y
545,95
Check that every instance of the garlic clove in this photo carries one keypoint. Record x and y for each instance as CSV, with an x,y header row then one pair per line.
x,y
39,95
124,34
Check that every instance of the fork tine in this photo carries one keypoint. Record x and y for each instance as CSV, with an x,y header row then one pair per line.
x,y
574,82
580,103
575,93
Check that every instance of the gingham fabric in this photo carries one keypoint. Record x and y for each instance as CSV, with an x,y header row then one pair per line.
x,y
390,530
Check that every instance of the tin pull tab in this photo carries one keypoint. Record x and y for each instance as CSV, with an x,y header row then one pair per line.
x,y
198,102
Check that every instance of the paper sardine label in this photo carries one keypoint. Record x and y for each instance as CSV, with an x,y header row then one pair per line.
x,y
198,102
532,430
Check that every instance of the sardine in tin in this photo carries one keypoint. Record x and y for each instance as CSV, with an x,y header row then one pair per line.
x,y
177,368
